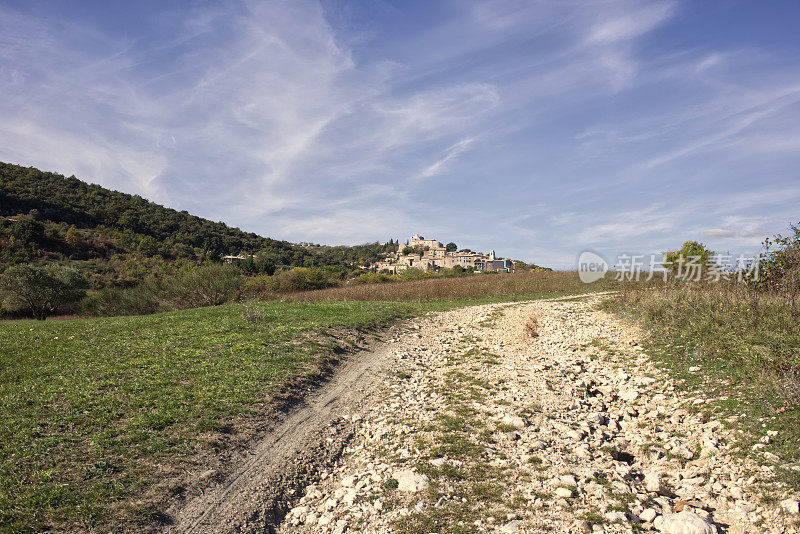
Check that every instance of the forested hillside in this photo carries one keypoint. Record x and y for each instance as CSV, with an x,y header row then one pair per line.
x,y
117,239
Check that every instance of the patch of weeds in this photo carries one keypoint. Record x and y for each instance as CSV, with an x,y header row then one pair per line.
x,y
452,423
593,517
453,518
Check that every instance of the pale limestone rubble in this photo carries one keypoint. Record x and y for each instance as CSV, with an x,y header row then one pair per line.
x,y
575,430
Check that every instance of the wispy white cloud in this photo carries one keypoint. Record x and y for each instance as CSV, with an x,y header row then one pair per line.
x,y
449,154
553,125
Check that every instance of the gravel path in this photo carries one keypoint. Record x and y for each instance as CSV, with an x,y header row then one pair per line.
x,y
535,417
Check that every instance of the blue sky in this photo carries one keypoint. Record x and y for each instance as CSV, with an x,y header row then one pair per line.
x,y
537,128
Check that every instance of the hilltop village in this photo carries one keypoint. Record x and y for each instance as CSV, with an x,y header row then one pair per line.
x,y
431,255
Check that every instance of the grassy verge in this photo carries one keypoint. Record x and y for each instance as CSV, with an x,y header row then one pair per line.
x,y
739,348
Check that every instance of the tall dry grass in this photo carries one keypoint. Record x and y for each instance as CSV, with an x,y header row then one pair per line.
x,y
738,344
727,325
478,286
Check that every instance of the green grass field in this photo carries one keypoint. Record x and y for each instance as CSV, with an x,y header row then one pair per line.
x,y
98,415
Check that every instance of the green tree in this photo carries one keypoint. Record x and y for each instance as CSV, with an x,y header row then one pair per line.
x,y
451,247
691,253
41,291
148,246
27,230
73,237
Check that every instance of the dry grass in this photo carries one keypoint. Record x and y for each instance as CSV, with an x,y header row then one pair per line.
x,y
475,287
531,327
745,343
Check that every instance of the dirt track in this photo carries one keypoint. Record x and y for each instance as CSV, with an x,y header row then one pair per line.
x,y
255,496
467,420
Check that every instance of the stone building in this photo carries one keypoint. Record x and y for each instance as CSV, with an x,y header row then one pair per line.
x,y
435,256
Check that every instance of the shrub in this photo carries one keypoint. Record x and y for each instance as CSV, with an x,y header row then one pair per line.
x,y
27,230
691,254
531,327
207,285
304,279
41,291
142,299
374,278
780,269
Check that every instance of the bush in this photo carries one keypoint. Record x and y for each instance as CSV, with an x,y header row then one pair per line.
x,y
692,259
304,279
780,270
41,291
27,230
207,285
374,278
143,299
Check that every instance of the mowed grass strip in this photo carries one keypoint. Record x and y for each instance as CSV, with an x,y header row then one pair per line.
x,y
98,415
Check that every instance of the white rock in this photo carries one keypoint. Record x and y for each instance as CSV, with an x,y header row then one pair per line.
x,y
563,492
652,483
648,515
683,451
615,516
596,418
515,421
348,481
685,523
510,527
790,506
567,480
349,497
410,481
438,462
299,511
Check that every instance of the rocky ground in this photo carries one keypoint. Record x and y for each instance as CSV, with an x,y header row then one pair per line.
x,y
534,417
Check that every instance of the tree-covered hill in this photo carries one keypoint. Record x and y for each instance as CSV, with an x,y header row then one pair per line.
x,y
119,239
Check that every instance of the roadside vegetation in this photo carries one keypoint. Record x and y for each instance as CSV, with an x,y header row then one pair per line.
x,y
739,341
29,291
